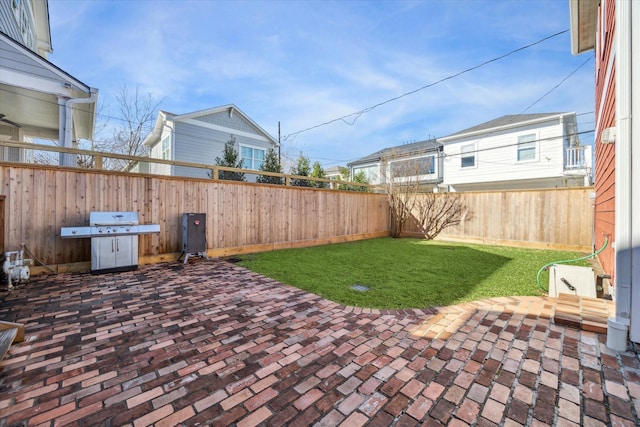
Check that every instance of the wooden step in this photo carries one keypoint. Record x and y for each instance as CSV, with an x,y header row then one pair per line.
x,y
586,313
6,339
10,325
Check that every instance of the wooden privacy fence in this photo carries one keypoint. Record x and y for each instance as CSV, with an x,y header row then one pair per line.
x,y
36,201
555,219
241,217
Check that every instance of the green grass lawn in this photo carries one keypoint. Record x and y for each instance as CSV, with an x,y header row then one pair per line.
x,y
407,273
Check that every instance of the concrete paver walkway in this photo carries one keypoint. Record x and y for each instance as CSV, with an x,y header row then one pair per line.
x,y
210,343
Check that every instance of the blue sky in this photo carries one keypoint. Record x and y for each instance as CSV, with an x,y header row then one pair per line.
x,y
306,62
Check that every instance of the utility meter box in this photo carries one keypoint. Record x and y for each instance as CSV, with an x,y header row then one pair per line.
x,y
571,279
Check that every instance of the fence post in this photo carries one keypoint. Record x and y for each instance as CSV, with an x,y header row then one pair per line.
x,y
97,162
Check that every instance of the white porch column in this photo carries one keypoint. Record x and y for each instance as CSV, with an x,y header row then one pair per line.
x,y
63,158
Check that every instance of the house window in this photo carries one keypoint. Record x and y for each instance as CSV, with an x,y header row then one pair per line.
x,y
13,154
370,173
468,156
413,167
252,158
27,30
526,147
166,148
10,154
24,23
16,10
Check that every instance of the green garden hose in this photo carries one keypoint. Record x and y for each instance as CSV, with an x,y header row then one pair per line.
x,y
568,261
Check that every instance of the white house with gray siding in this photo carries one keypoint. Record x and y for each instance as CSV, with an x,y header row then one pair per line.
x,y
524,151
200,137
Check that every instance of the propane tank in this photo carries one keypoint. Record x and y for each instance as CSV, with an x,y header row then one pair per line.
x,y
16,267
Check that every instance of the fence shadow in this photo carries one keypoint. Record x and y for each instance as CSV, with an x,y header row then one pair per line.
x,y
449,274
386,273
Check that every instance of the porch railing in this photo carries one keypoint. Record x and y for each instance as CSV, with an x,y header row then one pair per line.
x,y
577,157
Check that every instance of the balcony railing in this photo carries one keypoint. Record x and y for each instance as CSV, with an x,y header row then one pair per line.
x,y
577,157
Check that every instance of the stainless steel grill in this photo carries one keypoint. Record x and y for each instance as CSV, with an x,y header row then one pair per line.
x,y
114,239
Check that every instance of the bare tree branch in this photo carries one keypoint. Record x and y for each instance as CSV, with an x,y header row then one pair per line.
x,y
137,114
400,180
437,211
409,198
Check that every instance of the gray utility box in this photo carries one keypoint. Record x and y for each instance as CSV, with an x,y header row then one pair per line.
x,y
194,235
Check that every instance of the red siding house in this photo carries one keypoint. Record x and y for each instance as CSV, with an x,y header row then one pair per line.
x,y
603,28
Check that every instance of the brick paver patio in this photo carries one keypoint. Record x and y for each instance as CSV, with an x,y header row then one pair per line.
x,y
210,343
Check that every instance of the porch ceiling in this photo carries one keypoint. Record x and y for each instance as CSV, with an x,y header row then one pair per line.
x,y
30,87
36,113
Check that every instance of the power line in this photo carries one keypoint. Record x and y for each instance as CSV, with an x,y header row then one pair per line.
x,y
538,100
357,114
532,104
485,149
558,85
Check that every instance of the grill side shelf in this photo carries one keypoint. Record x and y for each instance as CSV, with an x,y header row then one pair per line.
x,y
75,232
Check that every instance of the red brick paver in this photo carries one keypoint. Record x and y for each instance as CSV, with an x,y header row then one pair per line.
x,y
210,343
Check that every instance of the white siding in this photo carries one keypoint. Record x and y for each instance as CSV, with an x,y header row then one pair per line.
x,y
496,156
156,152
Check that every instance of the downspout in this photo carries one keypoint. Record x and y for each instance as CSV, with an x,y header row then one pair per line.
x,y
634,41
67,136
618,326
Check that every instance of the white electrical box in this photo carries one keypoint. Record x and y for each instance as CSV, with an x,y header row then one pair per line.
x,y
570,279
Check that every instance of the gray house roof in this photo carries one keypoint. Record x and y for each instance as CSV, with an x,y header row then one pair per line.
x,y
399,151
154,136
507,120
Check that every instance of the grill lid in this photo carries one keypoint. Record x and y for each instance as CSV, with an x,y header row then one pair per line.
x,y
113,218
